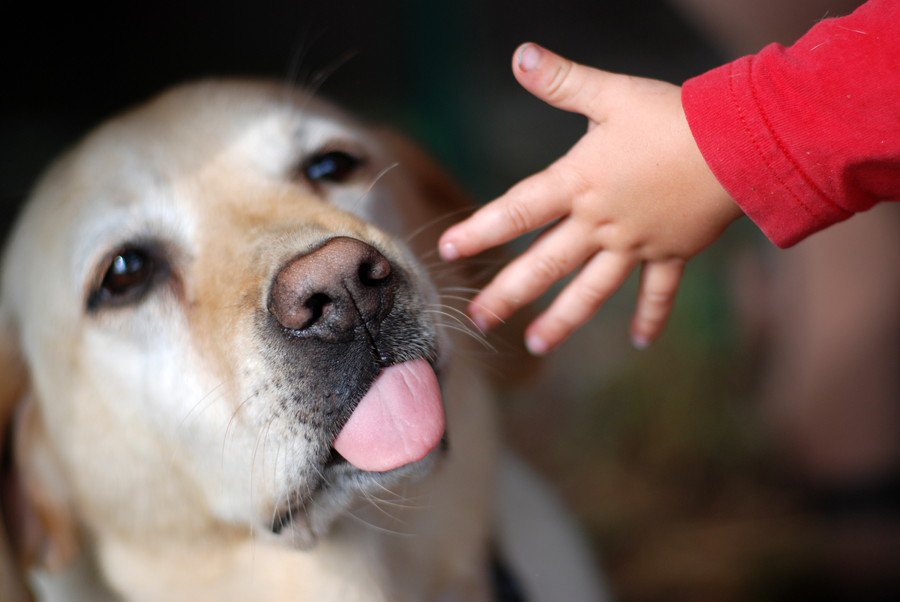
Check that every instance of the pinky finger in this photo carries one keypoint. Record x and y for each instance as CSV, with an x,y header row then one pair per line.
x,y
580,300
659,283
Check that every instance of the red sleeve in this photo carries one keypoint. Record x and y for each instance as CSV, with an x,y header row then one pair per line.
x,y
806,136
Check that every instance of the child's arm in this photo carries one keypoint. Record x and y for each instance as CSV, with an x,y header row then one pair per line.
x,y
804,137
634,190
801,138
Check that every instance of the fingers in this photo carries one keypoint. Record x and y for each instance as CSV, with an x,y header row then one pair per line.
x,y
580,300
560,82
659,283
534,202
553,256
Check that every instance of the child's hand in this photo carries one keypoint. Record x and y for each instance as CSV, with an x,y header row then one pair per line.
x,y
634,190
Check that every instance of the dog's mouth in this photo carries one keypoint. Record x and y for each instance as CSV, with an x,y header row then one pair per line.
x,y
391,433
400,420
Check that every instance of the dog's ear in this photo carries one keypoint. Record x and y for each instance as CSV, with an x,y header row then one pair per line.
x,y
12,388
37,529
445,203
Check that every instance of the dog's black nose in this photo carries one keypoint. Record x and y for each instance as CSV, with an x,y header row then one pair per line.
x,y
343,284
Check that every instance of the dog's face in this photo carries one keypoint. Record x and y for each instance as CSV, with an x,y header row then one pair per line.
x,y
211,298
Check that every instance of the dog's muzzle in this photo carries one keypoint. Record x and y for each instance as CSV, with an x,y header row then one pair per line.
x,y
342,291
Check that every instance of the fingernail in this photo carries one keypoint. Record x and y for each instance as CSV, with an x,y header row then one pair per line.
x,y
640,341
449,252
529,57
536,345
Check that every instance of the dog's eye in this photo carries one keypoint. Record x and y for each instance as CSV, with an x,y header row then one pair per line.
x,y
333,166
129,275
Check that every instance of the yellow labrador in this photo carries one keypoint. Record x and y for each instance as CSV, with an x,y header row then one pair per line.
x,y
228,375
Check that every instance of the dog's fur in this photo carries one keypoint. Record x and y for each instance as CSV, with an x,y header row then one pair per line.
x,y
175,444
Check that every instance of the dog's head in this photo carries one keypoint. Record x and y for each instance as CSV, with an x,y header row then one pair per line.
x,y
211,316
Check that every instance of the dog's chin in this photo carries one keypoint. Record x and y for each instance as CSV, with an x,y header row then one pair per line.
x,y
375,464
310,516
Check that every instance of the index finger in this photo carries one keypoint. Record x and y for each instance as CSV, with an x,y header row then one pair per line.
x,y
534,202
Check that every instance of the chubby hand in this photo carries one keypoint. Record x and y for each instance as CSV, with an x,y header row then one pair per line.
x,y
634,190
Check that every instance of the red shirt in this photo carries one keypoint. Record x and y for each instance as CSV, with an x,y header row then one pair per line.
x,y
806,136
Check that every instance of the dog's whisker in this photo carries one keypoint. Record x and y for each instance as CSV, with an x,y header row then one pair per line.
x,y
459,289
254,529
481,306
441,310
231,420
262,435
434,222
373,183
298,54
446,298
387,490
432,262
400,504
401,496
313,83
281,497
440,266
476,271
462,317
462,327
376,503
237,410
471,334
429,257
379,528
201,400
321,76
322,476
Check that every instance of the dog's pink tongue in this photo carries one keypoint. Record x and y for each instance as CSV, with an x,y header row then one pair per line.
x,y
397,422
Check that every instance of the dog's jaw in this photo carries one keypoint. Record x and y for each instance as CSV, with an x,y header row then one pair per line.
x,y
303,522
327,486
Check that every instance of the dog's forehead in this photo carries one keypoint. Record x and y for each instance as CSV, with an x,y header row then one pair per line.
x,y
251,128
247,125
190,137
254,123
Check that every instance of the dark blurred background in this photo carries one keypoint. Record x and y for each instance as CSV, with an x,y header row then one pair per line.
x,y
440,70
694,466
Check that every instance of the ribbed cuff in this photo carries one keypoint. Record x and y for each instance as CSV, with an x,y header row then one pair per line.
x,y
743,149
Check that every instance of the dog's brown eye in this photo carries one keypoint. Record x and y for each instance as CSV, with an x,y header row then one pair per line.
x,y
128,276
333,166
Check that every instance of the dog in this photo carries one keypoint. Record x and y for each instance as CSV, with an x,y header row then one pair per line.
x,y
229,373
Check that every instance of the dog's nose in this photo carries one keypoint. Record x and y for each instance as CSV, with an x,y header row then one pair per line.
x,y
335,288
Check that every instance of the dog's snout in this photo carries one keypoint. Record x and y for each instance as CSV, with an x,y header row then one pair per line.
x,y
335,288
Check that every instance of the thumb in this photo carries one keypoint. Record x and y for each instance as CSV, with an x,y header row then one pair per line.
x,y
560,82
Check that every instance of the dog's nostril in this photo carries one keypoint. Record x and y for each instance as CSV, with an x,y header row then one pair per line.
x,y
374,272
317,305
